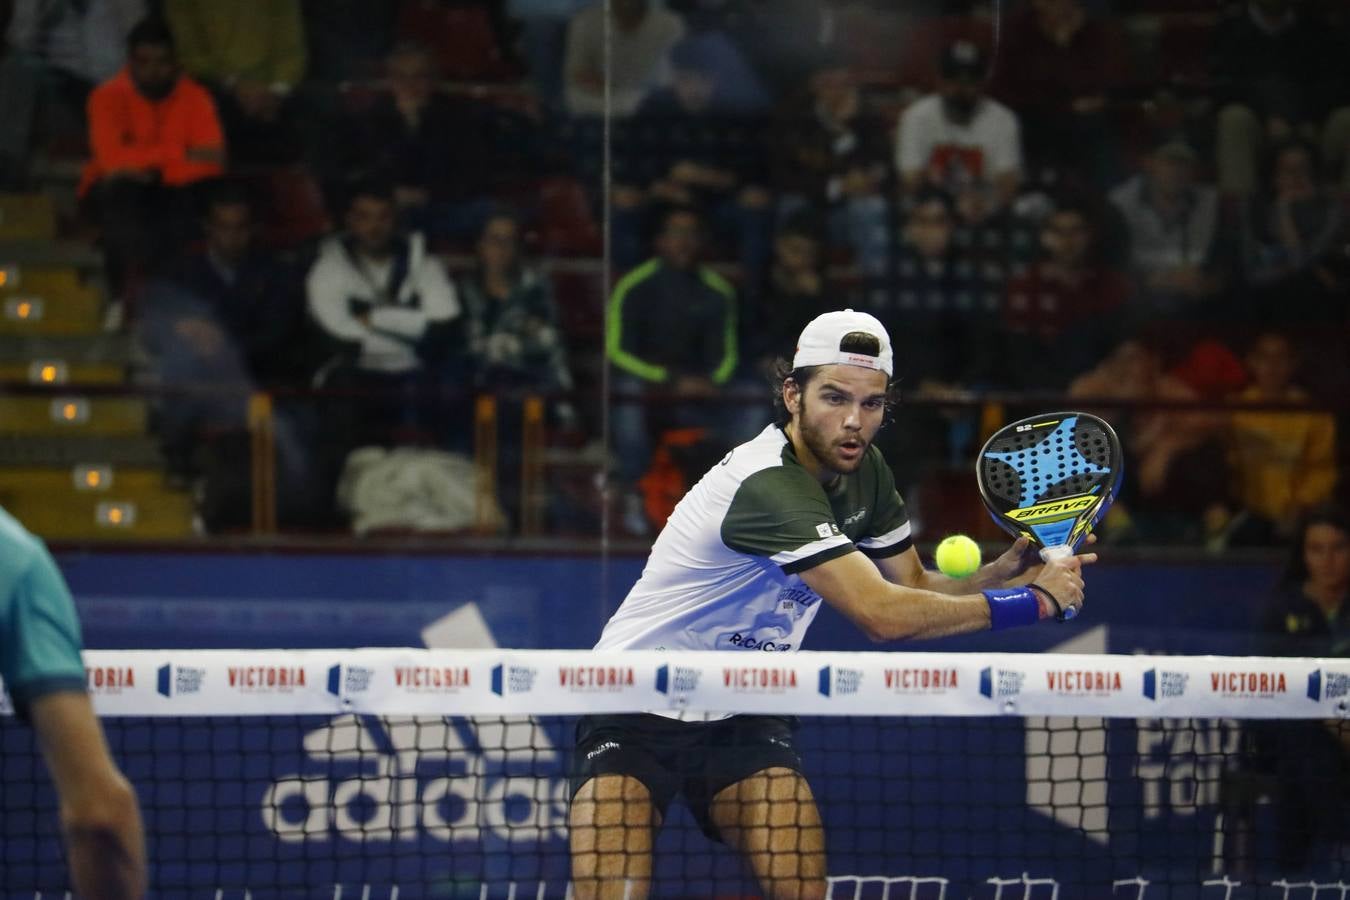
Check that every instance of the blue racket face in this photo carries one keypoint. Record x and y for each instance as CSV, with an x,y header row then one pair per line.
x,y
1051,477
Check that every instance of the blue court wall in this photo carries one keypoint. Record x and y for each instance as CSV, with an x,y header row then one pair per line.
x,y
215,600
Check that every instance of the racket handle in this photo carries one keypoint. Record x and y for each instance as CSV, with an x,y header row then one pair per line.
x,y
1059,551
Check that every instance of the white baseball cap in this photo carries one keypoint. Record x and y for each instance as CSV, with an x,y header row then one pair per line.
x,y
819,343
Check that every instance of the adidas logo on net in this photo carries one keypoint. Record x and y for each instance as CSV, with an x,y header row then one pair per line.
x,y
444,779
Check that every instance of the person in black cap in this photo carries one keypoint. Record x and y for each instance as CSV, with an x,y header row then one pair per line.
x,y
960,140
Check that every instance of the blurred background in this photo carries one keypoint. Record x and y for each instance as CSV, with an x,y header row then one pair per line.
x,y
408,321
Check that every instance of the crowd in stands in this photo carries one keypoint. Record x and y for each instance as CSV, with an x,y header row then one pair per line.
x,y
1048,204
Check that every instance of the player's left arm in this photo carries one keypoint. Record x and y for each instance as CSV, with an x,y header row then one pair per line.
x,y
1017,566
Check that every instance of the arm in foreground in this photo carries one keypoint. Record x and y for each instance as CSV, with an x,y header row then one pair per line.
x,y
100,818
885,611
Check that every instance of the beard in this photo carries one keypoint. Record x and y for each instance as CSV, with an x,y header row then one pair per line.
x,y
826,449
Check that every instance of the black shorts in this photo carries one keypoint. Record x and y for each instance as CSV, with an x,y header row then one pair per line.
x,y
670,757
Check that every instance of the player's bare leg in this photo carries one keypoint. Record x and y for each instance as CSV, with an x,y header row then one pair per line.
x,y
612,825
771,818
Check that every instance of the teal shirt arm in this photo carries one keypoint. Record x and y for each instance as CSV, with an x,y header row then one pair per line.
x,y
41,641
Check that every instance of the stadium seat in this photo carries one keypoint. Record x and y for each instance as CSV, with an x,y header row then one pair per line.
x,y
27,217
462,37
567,226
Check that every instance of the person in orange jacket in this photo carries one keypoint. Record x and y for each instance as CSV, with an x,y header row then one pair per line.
x,y
153,134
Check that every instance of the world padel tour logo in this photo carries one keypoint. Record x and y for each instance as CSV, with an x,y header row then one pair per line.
x,y
997,684
513,679
109,679
171,680
1248,683
1165,685
345,680
1328,685
432,679
920,681
677,680
1083,682
265,679
759,679
588,679
836,681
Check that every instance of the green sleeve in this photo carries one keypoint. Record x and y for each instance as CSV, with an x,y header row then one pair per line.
x,y
618,351
726,366
888,529
782,513
40,649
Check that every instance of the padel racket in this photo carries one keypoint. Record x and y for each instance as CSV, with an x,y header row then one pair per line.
x,y
1051,478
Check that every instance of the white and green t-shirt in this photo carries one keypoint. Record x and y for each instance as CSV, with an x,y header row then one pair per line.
x,y
722,575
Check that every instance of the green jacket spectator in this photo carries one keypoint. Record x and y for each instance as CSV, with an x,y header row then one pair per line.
x,y
667,322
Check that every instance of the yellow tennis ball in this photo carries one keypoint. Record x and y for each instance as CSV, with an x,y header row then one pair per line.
x,y
958,556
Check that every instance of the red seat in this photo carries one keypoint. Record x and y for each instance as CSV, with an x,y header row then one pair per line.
x,y
566,225
294,211
462,37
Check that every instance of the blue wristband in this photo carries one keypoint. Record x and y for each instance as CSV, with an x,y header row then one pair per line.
x,y
1011,607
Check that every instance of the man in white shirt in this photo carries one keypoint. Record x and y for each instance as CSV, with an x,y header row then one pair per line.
x,y
960,140
382,297
643,33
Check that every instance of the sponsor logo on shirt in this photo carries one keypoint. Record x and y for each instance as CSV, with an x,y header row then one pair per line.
x,y
746,642
855,517
606,747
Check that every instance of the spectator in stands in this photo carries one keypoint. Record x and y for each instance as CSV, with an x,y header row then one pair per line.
x,y
438,149
1058,67
1275,67
514,343
683,147
1292,238
1065,313
252,54
1285,462
153,133
672,331
1173,227
827,154
226,322
390,307
512,320
1299,767
641,36
543,30
793,290
1176,460
19,78
961,141
347,40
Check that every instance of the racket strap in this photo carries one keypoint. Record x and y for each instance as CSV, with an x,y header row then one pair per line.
x,y
1059,609
1012,607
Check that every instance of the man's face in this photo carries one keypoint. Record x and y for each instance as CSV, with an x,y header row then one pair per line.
x,y
1067,238
1170,175
930,229
371,222
959,97
797,252
693,89
1326,553
229,230
499,245
838,415
680,241
1271,363
411,78
153,69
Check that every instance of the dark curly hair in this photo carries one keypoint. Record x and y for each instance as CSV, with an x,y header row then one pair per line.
x,y
853,342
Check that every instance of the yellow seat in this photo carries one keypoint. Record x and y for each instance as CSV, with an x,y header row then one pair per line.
x,y
132,509
27,217
73,415
48,302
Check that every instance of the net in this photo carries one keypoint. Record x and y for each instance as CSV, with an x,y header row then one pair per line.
x,y
405,774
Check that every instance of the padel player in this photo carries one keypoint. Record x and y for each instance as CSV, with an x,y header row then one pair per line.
x,y
44,675
807,511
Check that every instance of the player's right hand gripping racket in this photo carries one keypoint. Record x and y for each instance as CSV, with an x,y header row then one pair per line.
x,y
1051,478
